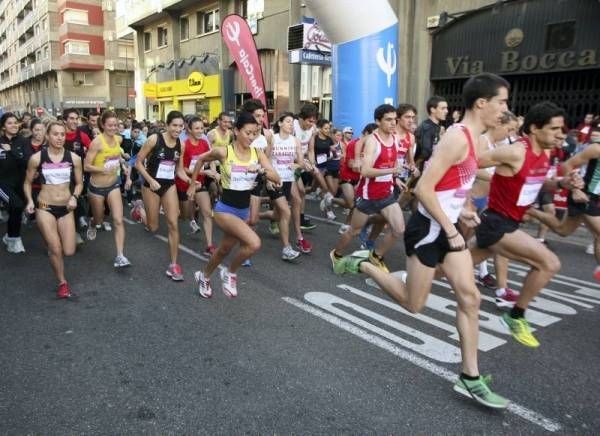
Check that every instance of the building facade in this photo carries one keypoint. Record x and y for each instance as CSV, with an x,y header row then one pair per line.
x,y
441,44
56,54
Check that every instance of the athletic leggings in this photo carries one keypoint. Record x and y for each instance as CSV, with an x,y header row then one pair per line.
x,y
15,206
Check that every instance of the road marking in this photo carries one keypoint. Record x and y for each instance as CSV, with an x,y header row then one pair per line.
x,y
525,413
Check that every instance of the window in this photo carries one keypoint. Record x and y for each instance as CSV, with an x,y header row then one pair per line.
x,y
77,47
147,41
38,55
121,79
75,16
208,21
184,28
44,23
46,52
46,83
125,51
81,78
37,30
162,37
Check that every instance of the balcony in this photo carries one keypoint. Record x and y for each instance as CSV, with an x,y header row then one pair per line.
x,y
26,73
119,64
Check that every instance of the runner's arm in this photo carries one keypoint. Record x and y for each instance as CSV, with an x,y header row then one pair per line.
x,y
93,150
367,169
141,157
512,156
32,166
583,157
271,174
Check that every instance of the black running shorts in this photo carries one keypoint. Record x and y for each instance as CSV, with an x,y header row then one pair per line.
x,y
425,238
493,227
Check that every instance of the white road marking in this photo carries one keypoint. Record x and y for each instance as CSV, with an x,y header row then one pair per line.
x,y
525,413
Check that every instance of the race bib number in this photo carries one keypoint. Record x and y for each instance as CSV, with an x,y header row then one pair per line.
x,y
111,163
283,166
530,190
193,163
166,170
241,180
321,158
385,178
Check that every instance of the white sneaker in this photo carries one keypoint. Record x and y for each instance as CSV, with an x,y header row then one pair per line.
x,y
107,227
288,253
328,199
343,229
121,262
83,222
91,233
229,283
330,215
589,249
204,288
78,238
323,205
194,226
13,245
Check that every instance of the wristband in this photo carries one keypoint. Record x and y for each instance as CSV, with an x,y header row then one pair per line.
x,y
75,195
453,236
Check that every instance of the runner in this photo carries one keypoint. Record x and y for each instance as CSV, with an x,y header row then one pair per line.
x,y
285,154
304,129
162,156
240,164
432,237
520,175
14,154
583,205
194,147
221,135
57,169
37,141
375,190
102,162
320,152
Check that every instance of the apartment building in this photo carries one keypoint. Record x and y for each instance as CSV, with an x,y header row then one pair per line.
x,y
56,54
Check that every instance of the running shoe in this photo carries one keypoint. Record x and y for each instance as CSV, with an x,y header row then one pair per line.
x,y
204,288
247,263
194,227
288,253
323,205
519,329
507,299
330,215
589,249
368,245
335,261
175,272
78,238
597,273
91,233
274,228
209,250
480,391
83,222
13,245
343,229
63,291
306,224
121,262
364,233
229,283
304,246
488,281
106,226
349,264
378,262
328,199
136,214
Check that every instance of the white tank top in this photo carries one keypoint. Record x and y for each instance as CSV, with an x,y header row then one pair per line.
x,y
303,135
283,156
260,142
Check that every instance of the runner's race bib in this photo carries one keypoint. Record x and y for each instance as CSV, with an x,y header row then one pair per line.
x,y
112,163
321,158
166,170
283,166
241,179
530,190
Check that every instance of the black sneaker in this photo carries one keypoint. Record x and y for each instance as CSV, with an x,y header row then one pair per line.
x,y
306,224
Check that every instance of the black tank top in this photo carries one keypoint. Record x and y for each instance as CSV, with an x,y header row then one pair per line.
x,y
75,145
322,145
55,173
162,154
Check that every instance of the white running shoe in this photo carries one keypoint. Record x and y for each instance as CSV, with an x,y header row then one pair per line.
x,y
106,226
288,253
589,249
330,215
13,245
91,233
121,262
204,288
83,222
328,199
323,205
343,229
194,227
78,238
229,283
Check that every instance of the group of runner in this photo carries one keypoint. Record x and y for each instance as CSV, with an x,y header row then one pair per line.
x,y
477,186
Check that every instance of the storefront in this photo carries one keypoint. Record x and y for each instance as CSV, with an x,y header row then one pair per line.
x,y
547,50
198,94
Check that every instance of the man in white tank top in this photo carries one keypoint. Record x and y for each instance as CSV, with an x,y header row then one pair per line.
x,y
304,130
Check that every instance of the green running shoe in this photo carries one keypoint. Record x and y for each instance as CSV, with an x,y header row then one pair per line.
x,y
274,228
520,330
480,391
349,264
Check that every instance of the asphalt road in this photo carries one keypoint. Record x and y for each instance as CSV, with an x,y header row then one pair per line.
x,y
300,351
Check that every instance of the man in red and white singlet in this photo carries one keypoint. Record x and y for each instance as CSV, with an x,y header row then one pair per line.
x,y
375,189
520,175
432,237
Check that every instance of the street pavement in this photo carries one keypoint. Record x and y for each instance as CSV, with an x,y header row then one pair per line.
x,y
300,351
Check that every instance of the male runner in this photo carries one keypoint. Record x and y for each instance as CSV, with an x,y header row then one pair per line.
x,y
304,129
432,237
520,175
